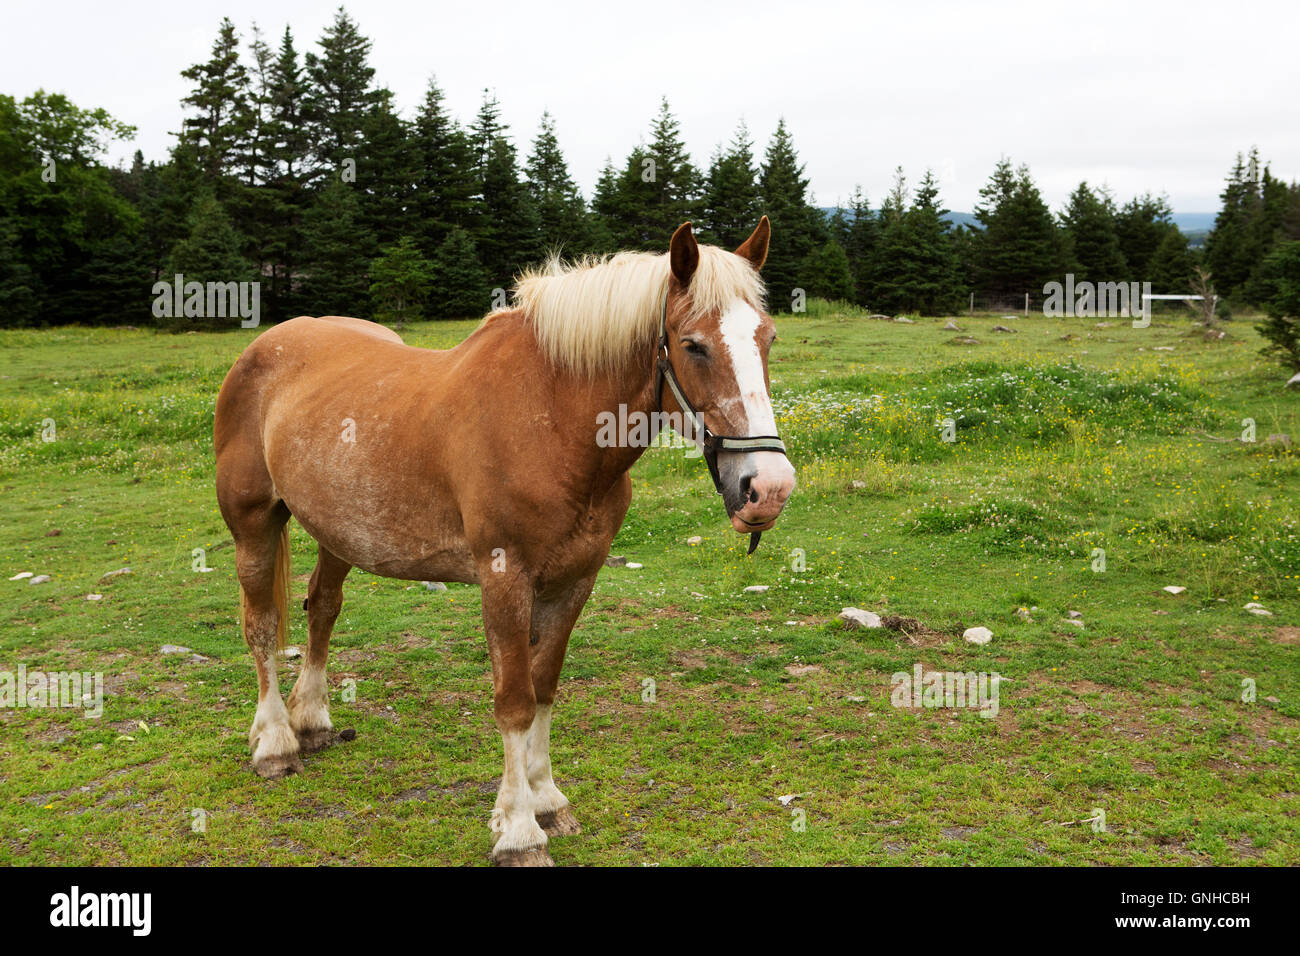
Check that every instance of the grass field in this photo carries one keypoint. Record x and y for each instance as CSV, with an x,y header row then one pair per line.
x,y
1069,438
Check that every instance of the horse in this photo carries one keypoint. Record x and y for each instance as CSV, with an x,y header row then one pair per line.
x,y
480,464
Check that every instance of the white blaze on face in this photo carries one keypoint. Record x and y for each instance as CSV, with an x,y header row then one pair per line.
x,y
738,325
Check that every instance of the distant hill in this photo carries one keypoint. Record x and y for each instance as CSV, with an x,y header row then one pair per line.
x,y
1194,224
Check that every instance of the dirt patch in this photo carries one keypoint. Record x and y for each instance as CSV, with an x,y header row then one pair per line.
x,y
1287,635
916,632
802,670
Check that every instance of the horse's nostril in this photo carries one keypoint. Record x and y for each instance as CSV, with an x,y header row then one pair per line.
x,y
747,492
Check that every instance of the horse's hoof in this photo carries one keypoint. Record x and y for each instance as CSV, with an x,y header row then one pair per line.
x,y
536,856
273,768
559,822
310,741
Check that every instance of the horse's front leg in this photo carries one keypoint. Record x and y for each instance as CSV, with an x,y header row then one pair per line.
x,y
552,623
517,840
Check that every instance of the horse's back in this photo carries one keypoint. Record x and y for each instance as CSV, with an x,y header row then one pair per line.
x,y
359,325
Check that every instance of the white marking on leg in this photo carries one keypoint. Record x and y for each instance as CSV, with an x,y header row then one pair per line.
x,y
547,797
513,824
271,735
309,701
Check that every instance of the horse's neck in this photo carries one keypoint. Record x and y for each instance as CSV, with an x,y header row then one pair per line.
x,y
626,396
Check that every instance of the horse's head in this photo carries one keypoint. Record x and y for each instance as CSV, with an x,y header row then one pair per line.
x,y
717,338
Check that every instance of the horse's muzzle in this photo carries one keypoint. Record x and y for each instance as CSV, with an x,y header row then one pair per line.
x,y
755,487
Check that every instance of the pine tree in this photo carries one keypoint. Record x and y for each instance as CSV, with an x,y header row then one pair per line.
x,y
400,282
505,224
287,176
1141,226
629,209
445,177
460,286
386,169
826,273
916,263
1018,248
1231,248
604,216
796,226
890,263
1277,286
1089,222
731,204
336,254
221,124
1170,269
213,250
562,214
340,95
674,181
860,245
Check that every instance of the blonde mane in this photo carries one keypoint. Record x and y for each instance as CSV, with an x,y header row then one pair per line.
x,y
591,315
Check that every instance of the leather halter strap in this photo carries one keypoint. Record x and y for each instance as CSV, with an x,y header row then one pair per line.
x,y
712,444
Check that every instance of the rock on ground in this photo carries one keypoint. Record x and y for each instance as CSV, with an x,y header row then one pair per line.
x,y
978,635
855,618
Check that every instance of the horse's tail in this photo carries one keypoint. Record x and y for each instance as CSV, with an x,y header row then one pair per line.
x,y
282,572
280,590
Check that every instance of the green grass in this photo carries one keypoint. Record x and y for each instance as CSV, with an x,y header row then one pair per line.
x,y
1069,438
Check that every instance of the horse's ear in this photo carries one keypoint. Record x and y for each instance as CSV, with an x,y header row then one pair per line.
x,y
755,247
683,254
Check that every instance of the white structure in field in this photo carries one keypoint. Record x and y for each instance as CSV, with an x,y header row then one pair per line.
x,y
1144,320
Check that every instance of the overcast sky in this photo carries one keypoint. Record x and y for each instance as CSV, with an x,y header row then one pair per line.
x,y
1141,96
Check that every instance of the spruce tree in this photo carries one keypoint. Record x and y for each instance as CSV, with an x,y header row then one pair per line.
x,y
336,254
826,273
339,95
1018,249
445,177
386,169
1170,269
221,122
505,223
1277,286
401,280
212,252
1141,226
796,225
1231,248
288,172
860,245
674,181
731,203
459,288
1089,222
561,212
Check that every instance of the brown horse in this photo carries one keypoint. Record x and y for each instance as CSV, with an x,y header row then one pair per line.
x,y
482,464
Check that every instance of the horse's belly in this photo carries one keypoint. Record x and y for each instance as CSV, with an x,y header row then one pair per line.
x,y
412,552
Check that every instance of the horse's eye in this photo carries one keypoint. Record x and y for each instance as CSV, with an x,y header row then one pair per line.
x,y
695,348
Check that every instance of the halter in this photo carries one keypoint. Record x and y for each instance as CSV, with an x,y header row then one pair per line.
x,y
712,444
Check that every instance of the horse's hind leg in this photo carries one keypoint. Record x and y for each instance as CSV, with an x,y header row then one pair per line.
x,y
309,712
259,537
552,623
